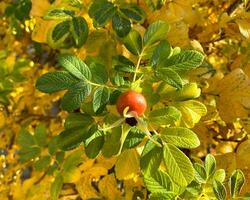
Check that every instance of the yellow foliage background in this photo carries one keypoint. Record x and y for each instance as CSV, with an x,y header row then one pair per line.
x,y
220,29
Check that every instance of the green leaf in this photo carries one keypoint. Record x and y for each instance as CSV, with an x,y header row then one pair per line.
x,y
236,183
189,91
114,140
179,166
75,66
170,77
180,137
80,30
55,81
52,146
58,14
220,175
164,116
94,144
74,3
184,61
158,181
219,190
56,187
42,163
161,52
72,160
122,60
210,165
156,31
100,98
78,120
134,137
121,25
155,4
102,11
60,32
133,12
71,138
25,139
166,195
41,135
151,157
60,157
100,73
200,173
112,143
123,64
118,80
133,42
28,153
75,96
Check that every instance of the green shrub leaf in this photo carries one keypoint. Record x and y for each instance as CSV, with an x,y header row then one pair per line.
x,y
184,61
164,116
28,153
80,30
71,138
167,195
58,14
42,163
200,173
75,66
25,139
158,181
59,33
133,12
100,73
170,77
78,120
156,31
102,11
100,98
94,144
55,81
161,52
75,96
151,157
210,165
219,190
236,183
56,187
179,166
41,135
180,137
133,42
121,25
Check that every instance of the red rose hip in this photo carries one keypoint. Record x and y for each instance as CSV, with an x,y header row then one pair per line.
x,y
134,100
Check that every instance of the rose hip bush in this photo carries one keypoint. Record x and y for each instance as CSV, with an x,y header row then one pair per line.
x,y
136,102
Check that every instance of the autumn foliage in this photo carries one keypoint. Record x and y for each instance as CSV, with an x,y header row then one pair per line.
x,y
124,99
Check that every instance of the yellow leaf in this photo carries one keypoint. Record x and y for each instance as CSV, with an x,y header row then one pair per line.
x,y
72,176
192,111
85,188
234,96
243,153
108,188
127,165
244,26
96,172
39,8
226,161
2,119
41,30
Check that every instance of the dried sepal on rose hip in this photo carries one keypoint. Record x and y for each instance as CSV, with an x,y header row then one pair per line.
x,y
135,102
